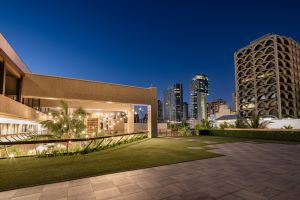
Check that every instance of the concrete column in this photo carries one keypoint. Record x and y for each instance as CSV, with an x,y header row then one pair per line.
x,y
130,121
152,120
19,89
152,114
2,78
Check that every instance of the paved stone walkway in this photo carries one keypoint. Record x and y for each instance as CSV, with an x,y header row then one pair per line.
x,y
248,171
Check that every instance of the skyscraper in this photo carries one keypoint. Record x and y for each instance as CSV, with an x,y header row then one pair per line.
x,y
233,97
159,111
178,93
267,74
173,101
198,93
185,111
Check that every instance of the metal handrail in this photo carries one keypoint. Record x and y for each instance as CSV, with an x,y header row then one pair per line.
x,y
67,140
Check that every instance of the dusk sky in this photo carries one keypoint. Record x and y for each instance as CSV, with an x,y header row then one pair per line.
x,y
143,43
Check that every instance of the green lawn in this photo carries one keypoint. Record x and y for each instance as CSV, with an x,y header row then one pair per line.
x,y
23,172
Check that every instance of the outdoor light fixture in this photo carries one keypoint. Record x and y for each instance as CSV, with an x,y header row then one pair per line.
x,y
11,155
109,102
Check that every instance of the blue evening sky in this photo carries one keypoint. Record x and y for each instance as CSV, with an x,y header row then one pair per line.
x,y
144,42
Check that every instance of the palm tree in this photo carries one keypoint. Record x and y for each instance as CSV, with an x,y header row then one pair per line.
x,y
255,122
63,124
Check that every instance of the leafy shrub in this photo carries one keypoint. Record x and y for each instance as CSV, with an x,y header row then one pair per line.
x,y
288,127
184,131
78,151
204,125
226,125
240,123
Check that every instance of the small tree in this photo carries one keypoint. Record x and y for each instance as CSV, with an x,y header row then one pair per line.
x,y
240,123
64,124
205,124
224,125
184,130
255,122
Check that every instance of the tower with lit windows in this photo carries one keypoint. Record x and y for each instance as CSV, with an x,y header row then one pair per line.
x,y
173,103
198,94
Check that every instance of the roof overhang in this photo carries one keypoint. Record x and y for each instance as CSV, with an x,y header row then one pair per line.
x,y
15,62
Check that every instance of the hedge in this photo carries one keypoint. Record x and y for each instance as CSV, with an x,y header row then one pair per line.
x,y
256,134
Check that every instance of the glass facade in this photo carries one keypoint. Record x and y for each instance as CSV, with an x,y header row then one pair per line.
x,y
173,103
198,93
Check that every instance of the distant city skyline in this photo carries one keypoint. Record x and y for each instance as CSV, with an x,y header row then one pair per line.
x,y
143,43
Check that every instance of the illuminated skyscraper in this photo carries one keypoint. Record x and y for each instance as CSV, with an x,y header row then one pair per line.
x,y
185,111
173,101
198,93
159,111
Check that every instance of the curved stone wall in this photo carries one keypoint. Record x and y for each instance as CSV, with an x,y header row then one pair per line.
x,y
267,77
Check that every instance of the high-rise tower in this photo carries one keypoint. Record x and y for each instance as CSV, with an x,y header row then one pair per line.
x,y
198,93
267,74
173,102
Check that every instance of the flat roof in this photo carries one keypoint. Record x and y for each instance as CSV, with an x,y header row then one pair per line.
x,y
91,81
228,117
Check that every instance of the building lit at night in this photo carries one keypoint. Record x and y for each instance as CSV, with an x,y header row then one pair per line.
x,y
198,94
27,99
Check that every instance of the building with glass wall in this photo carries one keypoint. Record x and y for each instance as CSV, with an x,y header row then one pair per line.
x,y
160,118
173,103
198,94
185,111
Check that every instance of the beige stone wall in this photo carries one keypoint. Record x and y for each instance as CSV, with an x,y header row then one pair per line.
x,y
41,86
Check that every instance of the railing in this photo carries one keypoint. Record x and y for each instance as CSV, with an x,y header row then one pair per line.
x,y
18,136
167,133
52,147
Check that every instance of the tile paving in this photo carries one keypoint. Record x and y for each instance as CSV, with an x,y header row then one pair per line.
x,y
247,171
